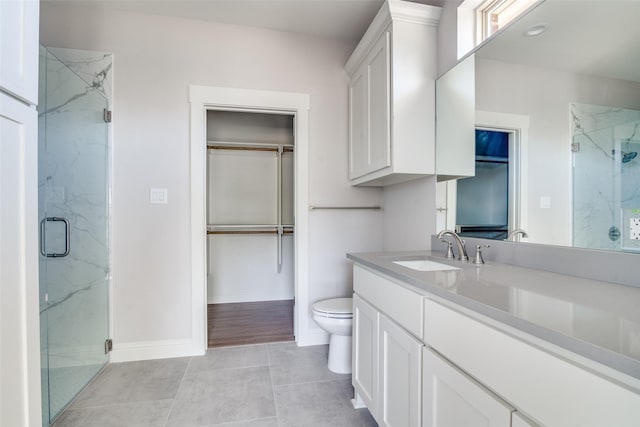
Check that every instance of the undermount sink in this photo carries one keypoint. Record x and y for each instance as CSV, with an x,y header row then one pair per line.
x,y
425,265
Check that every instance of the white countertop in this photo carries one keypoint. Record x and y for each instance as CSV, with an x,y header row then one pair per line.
x,y
597,320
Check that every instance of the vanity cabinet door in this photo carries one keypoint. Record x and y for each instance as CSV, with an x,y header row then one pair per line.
x,y
451,398
365,352
519,420
399,376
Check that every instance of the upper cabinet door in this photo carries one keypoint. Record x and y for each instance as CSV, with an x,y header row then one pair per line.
x,y
392,117
358,125
19,49
379,106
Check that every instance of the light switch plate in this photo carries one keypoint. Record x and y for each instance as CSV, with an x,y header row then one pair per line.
x,y
158,196
545,202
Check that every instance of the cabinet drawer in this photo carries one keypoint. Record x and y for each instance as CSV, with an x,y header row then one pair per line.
x,y
554,391
398,303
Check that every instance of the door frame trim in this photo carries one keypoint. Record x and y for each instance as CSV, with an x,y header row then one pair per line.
x,y
517,125
203,98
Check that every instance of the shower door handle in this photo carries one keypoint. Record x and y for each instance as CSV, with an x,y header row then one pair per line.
x,y
43,239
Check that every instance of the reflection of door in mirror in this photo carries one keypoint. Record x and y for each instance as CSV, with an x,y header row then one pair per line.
x,y
483,200
471,204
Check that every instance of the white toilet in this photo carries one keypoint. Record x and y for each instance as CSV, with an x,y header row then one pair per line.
x,y
336,317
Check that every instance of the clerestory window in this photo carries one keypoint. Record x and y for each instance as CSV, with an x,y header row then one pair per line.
x,y
480,19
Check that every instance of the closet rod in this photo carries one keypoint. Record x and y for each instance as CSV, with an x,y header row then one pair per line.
x,y
209,232
248,146
229,147
377,208
246,226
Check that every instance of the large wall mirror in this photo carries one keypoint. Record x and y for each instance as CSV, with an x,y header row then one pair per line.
x,y
559,92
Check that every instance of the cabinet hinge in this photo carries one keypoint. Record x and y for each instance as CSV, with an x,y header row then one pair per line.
x,y
108,345
575,147
106,115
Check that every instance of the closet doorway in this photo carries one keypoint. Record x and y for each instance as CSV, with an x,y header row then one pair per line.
x,y
250,227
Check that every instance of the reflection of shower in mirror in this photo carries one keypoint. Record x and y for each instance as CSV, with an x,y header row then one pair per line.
x,y
630,155
626,157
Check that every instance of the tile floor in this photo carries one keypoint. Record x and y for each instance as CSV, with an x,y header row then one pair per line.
x,y
265,385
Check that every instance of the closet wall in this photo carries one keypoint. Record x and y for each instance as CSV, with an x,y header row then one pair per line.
x,y
250,192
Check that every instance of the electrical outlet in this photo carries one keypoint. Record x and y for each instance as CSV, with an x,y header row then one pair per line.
x,y
634,228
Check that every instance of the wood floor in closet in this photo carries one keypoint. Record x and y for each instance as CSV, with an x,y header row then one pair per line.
x,y
250,323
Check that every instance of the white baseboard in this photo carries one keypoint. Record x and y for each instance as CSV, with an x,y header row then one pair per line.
x,y
148,350
312,337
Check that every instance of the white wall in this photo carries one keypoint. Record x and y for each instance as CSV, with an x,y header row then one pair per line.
x,y
409,215
155,59
545,95
448,36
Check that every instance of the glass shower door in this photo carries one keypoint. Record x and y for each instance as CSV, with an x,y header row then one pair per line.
x,y
73,208
606,170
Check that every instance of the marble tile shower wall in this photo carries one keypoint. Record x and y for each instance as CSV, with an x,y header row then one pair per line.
x,y
74,149
606,177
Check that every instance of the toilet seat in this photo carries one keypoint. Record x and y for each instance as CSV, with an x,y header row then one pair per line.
x,y
335,308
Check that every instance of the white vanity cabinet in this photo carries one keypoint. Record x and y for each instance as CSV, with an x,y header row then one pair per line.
x,y
387,359
399,376
519,420
452,398
552,388
392,96
421,359
365,352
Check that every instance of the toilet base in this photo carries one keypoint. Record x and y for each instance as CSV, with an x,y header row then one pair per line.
x,y
340,354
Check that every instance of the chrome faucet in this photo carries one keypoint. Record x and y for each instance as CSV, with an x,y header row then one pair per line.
x,y
462,251
514,234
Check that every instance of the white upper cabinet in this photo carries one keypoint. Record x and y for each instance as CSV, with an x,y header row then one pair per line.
x,y
392,96
19,49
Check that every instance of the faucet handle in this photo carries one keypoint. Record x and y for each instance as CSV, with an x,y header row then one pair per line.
x,y
449,254
478,259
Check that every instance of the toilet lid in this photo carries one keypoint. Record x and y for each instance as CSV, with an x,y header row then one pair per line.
x,y
336,306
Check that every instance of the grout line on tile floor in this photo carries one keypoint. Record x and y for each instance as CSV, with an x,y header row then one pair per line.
x,y
175,397
273,391
314,381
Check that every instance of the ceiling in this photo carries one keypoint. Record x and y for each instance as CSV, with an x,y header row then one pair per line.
x,y
599,38
345,20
